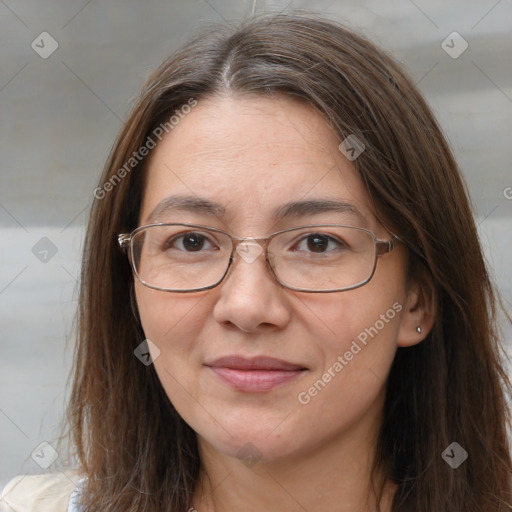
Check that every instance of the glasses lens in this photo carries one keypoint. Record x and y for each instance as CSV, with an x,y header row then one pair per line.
x,y
323,258
180,257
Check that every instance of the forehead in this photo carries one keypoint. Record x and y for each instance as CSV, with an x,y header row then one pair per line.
x,y
249,157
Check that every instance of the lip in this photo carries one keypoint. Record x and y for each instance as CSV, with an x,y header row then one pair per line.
x,y
256,374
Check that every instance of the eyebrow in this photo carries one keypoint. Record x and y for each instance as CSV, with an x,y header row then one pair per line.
x,y
293,209
314,207
186,203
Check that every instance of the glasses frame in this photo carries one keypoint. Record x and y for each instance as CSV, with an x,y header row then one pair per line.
x,y
381,247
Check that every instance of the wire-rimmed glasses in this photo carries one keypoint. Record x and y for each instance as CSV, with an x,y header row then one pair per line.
x,y
316,258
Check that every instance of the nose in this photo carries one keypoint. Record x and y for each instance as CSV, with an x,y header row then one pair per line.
x,y
250,299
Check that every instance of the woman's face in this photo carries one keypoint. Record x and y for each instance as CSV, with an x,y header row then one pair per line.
x,y
252,156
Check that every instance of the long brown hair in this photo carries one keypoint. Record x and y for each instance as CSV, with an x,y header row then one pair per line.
x,y
135,449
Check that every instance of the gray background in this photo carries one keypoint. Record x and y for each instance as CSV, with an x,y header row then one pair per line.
x,y
59,117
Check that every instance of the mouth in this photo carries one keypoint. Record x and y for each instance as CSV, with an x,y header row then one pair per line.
x,y
257,374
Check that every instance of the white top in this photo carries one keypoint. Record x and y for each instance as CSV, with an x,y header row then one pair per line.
x,y
73,499
47,492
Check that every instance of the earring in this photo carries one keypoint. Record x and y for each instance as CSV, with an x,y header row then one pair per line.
x,y
419,329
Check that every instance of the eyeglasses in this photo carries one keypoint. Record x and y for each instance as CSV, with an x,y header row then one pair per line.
x,y
315,258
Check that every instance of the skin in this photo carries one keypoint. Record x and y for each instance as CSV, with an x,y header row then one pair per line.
x,y
253,154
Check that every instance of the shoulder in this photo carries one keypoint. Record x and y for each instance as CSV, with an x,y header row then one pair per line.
x,y
48,492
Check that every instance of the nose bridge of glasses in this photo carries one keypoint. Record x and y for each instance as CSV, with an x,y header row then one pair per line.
x,y
249,248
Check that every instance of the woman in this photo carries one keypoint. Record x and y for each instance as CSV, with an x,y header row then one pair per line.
x,y
284,303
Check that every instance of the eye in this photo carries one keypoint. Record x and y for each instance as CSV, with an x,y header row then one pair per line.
x,y
318,243
189,242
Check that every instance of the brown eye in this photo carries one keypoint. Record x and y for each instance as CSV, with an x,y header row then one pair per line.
x,y
189,242
193,242
318,243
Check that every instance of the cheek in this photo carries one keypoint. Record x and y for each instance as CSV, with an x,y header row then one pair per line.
x,y
165,316
356,336
174,323
360,314
355,361
363,336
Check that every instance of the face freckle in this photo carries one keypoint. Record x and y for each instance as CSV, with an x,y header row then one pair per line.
x,y
242,162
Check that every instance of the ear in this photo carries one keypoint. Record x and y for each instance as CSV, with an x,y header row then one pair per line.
x,y
419,311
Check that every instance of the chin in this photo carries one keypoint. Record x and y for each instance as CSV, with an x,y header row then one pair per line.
x,y
250,445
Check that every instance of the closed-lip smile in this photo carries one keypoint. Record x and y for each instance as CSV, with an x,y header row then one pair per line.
x,y
255,374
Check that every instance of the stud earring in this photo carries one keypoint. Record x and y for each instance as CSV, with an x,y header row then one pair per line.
x,y
419,329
